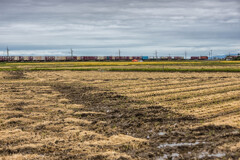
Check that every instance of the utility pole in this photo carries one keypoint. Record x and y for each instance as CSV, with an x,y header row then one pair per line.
x,y
7,52
71,54
211,54
185,54
156,53
119,53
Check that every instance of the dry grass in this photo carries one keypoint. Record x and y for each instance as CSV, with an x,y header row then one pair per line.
x,y
39,122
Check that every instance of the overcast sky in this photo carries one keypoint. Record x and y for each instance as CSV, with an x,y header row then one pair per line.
x,y
137,27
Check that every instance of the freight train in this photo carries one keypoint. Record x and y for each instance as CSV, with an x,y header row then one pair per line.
x,y
90,58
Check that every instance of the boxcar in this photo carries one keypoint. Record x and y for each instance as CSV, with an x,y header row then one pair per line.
x,y
49,58
100,58
137,58
204,58
79,58
38,58
109,58
28,58
71,58
89,58
144,57
194,58
7,58
178,58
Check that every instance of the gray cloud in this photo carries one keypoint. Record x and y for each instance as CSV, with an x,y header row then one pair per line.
x,y
134,25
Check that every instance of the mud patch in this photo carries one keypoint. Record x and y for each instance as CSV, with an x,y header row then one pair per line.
x,y
15,75
145,123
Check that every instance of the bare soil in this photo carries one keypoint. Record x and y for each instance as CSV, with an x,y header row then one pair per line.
x,y
69,115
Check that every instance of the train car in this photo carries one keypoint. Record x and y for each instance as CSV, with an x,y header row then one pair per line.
x,y
79,58
89,58
100,58
151,58
125,58
137,57
144,57
30,58
60,58
11,58
166,58
178,58
6,58
49,58
117,58
108,58
18,58
121,58
38,58
2,59
204,58
194,58
71,58
27,58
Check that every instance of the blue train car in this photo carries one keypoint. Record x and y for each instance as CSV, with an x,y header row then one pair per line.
x,y
144,57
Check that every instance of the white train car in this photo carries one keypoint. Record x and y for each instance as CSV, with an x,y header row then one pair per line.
x,y
100,58
79,58
16,58
38,58
60,58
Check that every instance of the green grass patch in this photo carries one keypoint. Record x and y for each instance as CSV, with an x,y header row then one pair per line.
x,y
173,70
64,69
11,69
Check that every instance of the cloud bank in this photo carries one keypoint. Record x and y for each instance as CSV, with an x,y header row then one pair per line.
x,y
134,26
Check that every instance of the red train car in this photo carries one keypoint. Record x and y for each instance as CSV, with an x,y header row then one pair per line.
x,y
137,58
178,58
6,58
194,58
49,58
204,58
70,58
122,58
20,58
30,58
3,58
89,58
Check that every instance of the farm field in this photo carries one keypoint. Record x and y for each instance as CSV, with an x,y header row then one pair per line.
x,y
119,115
159,66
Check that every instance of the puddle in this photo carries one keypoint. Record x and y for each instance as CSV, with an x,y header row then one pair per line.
x,y
172,156
206,154
175,156
161,133
179,144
